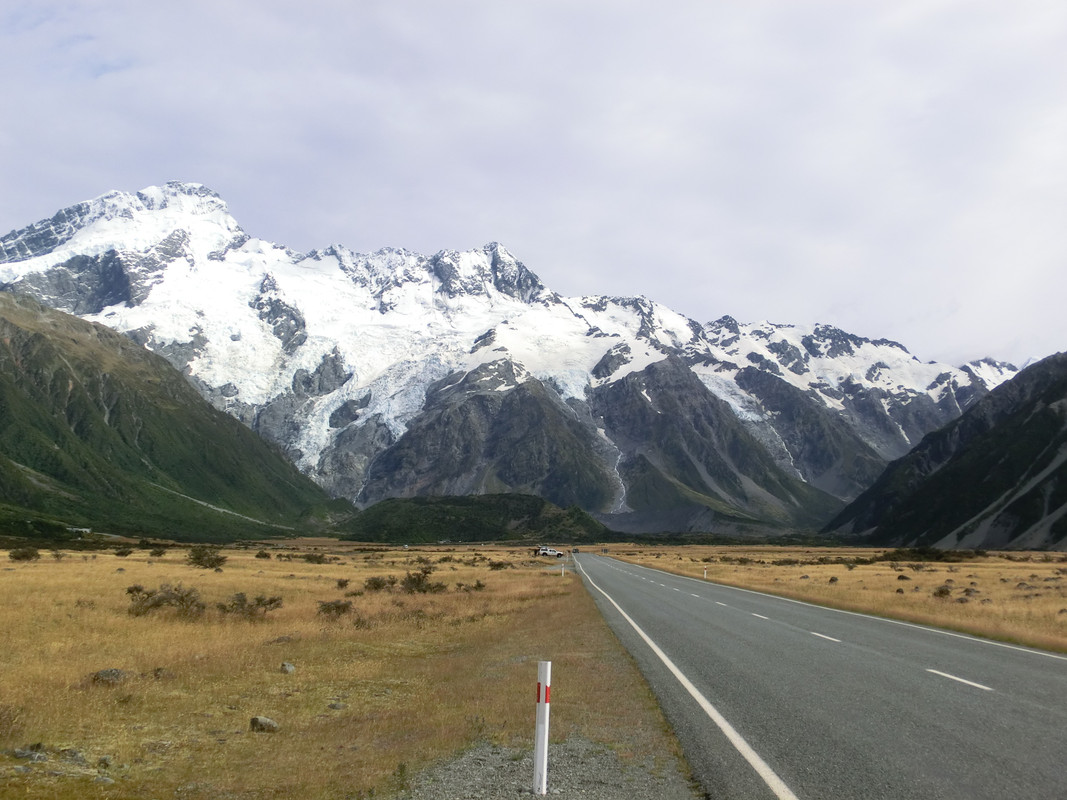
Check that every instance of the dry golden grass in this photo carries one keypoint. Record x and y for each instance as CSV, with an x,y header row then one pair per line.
x,y
1015,597
412,678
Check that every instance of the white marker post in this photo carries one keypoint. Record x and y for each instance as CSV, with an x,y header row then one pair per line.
x,y
544,690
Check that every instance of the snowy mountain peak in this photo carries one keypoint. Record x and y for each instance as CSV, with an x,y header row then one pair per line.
x,y
120,221
336,355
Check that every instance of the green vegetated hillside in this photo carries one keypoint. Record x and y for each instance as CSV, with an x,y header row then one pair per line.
x,y
474,518
97,432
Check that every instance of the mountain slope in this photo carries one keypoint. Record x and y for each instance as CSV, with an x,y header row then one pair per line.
x,y
996,477
99,432
342,360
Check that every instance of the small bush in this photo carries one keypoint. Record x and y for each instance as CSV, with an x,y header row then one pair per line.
x,y
262,554
497,565
186,602
58,555
419,582
255,610
157,552
342,583
314,558
24,554
206,557
122,552
377,583
334,609
942,591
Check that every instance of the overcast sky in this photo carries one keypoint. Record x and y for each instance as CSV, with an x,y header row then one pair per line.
x,y
897,169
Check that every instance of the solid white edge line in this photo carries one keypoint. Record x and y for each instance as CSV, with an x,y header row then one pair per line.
x,y
824,636
927,628
774,783
961,680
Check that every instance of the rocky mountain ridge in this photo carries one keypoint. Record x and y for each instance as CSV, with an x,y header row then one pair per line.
x,y
366,368
994,478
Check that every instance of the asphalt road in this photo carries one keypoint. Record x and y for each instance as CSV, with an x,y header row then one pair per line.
x,y
787,699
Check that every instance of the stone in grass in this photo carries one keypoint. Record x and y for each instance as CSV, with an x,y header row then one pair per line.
x,y
109,677
264,725
288,668
34,753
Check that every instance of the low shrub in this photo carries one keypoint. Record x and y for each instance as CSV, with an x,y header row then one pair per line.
x,y
239,606
419,582
206,557
262,554
185,601
157,552
24,554
378,583
334,608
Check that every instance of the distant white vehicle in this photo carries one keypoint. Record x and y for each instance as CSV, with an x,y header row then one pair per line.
x,y
549,551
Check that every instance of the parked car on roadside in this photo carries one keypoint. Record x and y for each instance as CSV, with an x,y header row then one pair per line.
x,y
548,551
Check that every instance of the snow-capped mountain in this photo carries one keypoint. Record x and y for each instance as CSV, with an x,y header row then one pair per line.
x,y
395,374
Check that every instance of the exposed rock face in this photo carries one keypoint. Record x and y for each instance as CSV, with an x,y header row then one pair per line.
x,y
682,447
823,448
491,430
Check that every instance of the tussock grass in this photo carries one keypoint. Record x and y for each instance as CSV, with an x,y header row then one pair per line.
x,y
379,691
1013,597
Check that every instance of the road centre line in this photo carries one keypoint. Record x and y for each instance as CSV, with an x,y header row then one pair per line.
x,y
961,680
774,783
928,629
824,636
721,604
759,615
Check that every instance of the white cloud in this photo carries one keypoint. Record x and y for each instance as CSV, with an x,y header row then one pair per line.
x,y
898,169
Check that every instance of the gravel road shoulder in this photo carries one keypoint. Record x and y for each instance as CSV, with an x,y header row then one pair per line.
x,y
577,768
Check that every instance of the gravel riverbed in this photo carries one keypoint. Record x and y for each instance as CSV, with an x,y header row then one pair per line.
x,y
577,768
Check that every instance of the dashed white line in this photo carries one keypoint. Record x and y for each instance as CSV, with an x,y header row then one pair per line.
x,y
823,636
961,680
721,604
769,776
759,615
927,628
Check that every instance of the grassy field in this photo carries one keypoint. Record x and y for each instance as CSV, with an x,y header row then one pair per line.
x,y
381,688
1012,597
